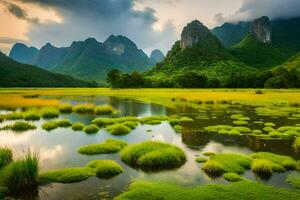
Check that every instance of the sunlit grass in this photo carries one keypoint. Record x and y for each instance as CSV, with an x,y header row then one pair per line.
x,y
20,126
5,157
65,108
77,126
118,129
84,108
49,112
109,146
91,129
104,110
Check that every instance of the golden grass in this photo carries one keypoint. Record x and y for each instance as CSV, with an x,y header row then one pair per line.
x,y
169,97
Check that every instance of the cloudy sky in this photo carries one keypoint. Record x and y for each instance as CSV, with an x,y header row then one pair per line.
x,y
149,23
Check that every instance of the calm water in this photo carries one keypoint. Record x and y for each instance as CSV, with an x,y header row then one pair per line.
x,y
57,149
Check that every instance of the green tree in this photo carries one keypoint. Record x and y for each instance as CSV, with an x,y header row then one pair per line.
x,y
114,78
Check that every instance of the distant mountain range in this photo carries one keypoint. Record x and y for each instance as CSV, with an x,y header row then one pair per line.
x,y
89,59
14,74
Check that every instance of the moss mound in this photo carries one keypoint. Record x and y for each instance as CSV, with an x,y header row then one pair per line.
x,y
118,129
222,163
14,116
108,169
63,123
234,191
285,161
294,180
232,177
153,120
153,156
209,153
20,126
78,174
50,125
84,108
91,129
49,112
200,160
78,126
109,146
31,115
262,167
65,108
104,110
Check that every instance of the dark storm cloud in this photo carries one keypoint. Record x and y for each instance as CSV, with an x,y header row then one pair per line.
x,y
17,11
99,19
273,8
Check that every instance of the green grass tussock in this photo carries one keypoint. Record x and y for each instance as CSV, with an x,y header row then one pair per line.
x,y
109,146
21,174
221,163
285,161
32,115
108,169
153,120
105,110
50,125
118,129
14,116
153,155
65,108
232,177
262,167
20,126
91,129
49,112
234,191
296,144
84,108
294,180
200,160
5,157
63,123
77,126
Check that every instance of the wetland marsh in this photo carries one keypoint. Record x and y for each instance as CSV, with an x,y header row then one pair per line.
x,y
94,143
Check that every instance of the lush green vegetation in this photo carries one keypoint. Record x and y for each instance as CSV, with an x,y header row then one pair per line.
x,y
109,146
20,126
153,155
77,126
262,167
294,179
91,129
104,110
84,108
108,169
65,108
232,177
285,161
49,112
5,157
14,74
118,129
234,191
50,125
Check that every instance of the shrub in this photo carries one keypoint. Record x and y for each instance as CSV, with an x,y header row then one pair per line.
x,y
22,174
50,125
65,108
91,129
84,108
77,126
5,157
153,156
262,167
109,146
49,112
232,177
118,129
108,169
104,110
20,126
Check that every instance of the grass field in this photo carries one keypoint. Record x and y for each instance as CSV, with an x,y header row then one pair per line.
x,y
14,97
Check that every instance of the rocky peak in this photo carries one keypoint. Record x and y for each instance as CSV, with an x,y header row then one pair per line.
x,y
193,33
261,29
156,56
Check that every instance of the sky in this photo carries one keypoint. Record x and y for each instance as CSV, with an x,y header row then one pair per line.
x,y
151,24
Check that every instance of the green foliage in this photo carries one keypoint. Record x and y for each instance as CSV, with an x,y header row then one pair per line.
x,y
200,159
63,123
213,168
77,126
31,115
296,144
104,110
285,161
84,108
257,54
108,169
91,129
20,126
234,191
50,125
5,157
117,79
109,146
22,174
153,156
14,116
